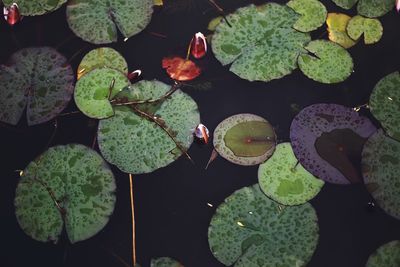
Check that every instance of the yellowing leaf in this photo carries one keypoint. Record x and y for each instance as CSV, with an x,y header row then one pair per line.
x,y
337,23
212,25
158,2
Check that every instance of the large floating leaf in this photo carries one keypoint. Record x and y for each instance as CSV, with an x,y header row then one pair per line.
x,y
368,8
35,7
137,145
285,180
313,14
381,169
249,229
387,255
97,21
371,28
337,28
245,139
328,62
385,103
94,91
102,57
327,139
38,79
260,42
164,262
69,185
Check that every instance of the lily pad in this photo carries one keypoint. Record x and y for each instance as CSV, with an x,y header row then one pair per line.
x,y
69,185
164,262
249,229
97,21
327,139
328,62
35,7
38,79
381,165
102,57
387,255
245,139
283,179
371,28
337,28
94,91
313,14
137,145
385,104
260,43
368,8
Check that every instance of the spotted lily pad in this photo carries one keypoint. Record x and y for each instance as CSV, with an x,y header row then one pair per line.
x,y
38,79
35,7
249,229
337,28
97,21
381,169
327,139
260,43
164,262
245,139
368,8
283,179
313,14
327,63
371,28
136,144
387,255
102,57
69,185
385,104
94,91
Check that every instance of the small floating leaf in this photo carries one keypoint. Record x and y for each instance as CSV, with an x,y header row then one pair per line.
x,y
368,8
337,25
329,62
180,69
35,7
313,14
381,165
387,255
285,180
38,79
385,104
164,262
69,185
371,28
249,229
245,139
212,25
97,21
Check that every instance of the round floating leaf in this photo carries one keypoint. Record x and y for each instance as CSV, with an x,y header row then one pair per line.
x,y
245,139
385,104
94,91
327,139
283,179
164,262
35,7
387,255
260,42
102,57
346,4
67,184
337,24
136,144
381,165
249,229
327,63
97,21
38,79
313,14
180,69
374,8
371,28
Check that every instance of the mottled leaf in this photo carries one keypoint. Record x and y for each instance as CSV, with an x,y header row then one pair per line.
x,y
346,4
388,255
337,25
35,7
313,14
164,262
371,29
368,8
180,69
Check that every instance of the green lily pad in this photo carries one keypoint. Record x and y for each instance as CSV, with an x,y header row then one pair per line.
x,y
261,43
313,14
97,21
329,62
380,167
38,80
245,139
385,104
102,57
69,185
387,255
371,28
164,262
137,145
368,8
285,180
249,229
92,92
337,24
346,4
35,7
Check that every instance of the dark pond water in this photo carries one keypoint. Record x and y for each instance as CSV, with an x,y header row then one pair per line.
x,y
172,215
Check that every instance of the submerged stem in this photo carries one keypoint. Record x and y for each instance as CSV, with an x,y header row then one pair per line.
x,y
133,221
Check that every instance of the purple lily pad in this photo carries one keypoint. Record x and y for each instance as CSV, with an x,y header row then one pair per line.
x,y
327,139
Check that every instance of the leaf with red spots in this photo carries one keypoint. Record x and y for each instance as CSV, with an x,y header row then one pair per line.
x,y
180,69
